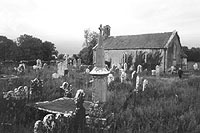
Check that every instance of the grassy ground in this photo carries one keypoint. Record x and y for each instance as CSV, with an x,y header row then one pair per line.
x,y
169,104
50,92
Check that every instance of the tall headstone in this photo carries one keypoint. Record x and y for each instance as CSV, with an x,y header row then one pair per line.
x,y
123,77
139,69
157,70
39,63
60,70
99,72
74,63
125,66
144,85
79,62
66,56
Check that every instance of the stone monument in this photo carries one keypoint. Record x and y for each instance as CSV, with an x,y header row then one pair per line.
x,y
99,72
79,62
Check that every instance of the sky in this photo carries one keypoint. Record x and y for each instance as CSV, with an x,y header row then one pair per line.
x,y
63,22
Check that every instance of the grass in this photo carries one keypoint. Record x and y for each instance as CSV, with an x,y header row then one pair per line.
x,y
50,92
172,106
167,105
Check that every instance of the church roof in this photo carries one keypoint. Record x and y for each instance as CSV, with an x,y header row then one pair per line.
x,y
155,40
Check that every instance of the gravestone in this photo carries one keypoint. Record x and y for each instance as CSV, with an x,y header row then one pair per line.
x,y
123,77
133,77
139,69
39,63
110,78
153,72
62,68
195,66
125,67
157,70
74,63
144,85
79,62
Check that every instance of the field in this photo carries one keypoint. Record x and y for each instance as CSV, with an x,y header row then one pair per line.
x,y
168,104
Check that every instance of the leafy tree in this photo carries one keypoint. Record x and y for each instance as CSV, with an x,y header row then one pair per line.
x,y
26,48
48,49
130,60
61,56
86,54
153,59
30,47
7,48
140,59
193,54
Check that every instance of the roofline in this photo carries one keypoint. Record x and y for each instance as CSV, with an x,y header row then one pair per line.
x,y
170,39
134,48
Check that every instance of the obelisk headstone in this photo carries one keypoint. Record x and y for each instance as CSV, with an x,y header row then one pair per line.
x,y
100,72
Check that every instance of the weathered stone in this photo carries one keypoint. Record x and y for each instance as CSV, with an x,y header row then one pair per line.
x,y
99,72
157,70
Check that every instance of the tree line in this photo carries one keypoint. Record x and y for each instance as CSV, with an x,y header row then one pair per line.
x,y
193,54
26,47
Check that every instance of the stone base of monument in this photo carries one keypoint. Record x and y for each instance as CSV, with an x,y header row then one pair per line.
x,y
99,89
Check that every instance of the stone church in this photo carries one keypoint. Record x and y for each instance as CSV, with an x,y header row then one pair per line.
x,y
117,48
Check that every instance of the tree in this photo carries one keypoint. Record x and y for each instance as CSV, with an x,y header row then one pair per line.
x,y
129,61
154,59
91,37
140,59
48,49
7,48
86,54
61,56
30,47
193,54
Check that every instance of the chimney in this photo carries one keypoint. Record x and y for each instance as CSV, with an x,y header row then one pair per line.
x,y
106,31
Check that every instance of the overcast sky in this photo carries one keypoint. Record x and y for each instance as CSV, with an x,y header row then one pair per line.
x,y
63,21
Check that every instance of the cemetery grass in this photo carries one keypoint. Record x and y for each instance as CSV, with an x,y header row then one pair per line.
x,y
50,91
167,105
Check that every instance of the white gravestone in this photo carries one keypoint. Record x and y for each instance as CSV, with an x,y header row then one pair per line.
x,y
153,72
79,62
39,63
144,85
74,63
195,66
137,83
123,77
125,67
110,78
139,69
157,70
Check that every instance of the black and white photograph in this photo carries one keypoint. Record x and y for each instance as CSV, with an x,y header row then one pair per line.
x,y
99,66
